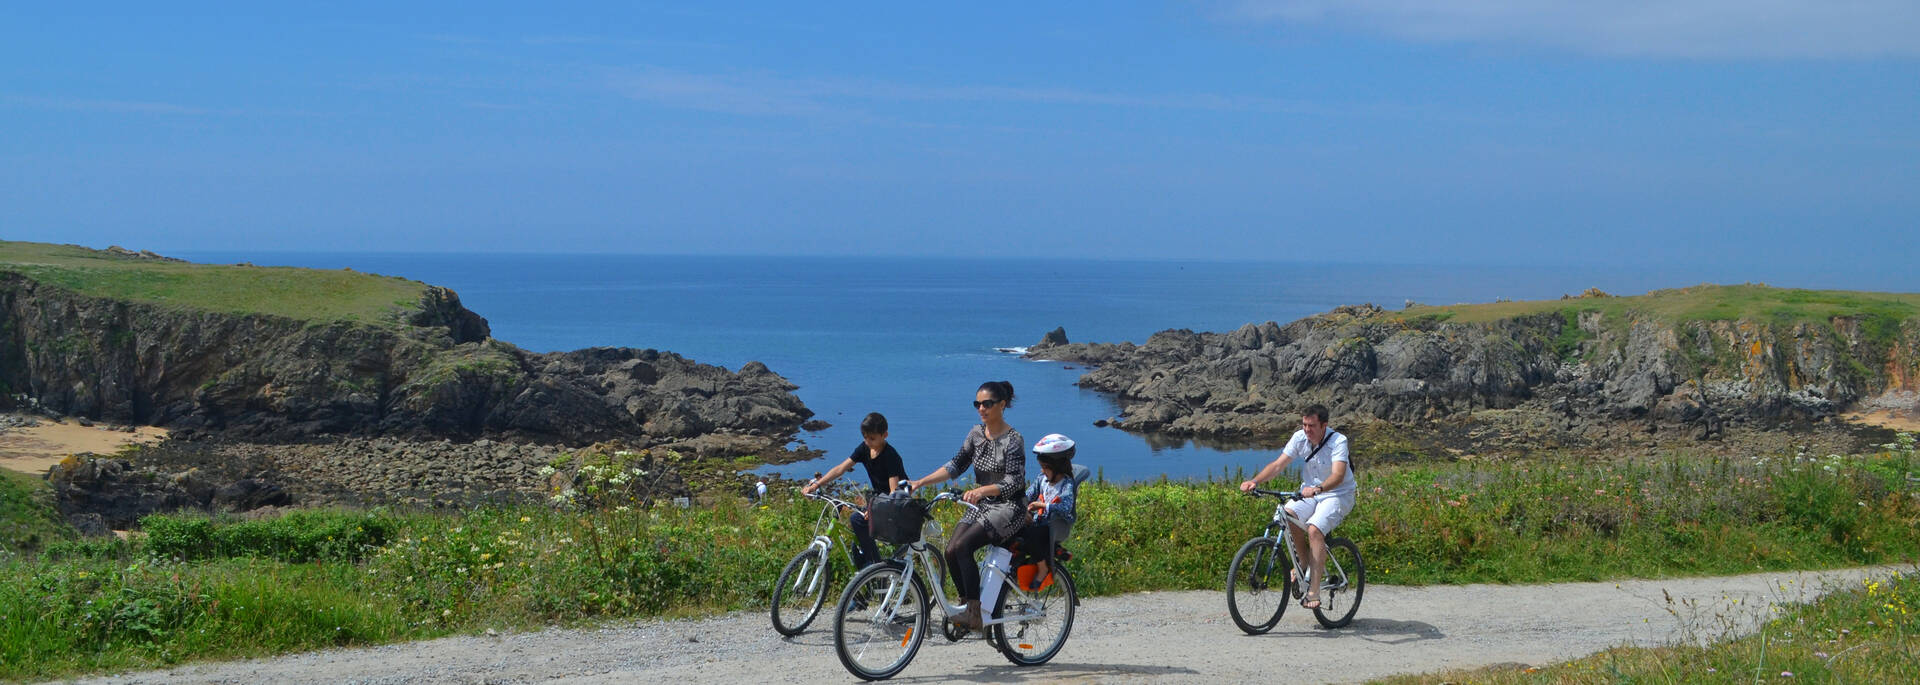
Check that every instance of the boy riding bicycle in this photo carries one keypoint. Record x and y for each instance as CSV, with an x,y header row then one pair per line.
x,y
885,471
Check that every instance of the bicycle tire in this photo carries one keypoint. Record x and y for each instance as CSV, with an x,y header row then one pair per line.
x,y
1250,585
859,632
1340,599
1057,600
791,617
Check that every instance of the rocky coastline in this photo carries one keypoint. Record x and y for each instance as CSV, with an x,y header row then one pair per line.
x,y
421,406
1569,377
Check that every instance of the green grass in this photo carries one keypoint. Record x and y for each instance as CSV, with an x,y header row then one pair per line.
x,y
1863,634
301,294
28,520
199,588
1532,522
1753,302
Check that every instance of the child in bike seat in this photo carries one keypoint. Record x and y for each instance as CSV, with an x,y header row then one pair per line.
x,y
1050,503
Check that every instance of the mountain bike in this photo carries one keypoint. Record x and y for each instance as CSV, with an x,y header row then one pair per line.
x,y
1260,581
884,613
802,587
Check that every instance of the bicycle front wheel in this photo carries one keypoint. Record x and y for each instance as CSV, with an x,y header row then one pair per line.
x,y
1346,583
1257,585
1035,640
800,591
880,622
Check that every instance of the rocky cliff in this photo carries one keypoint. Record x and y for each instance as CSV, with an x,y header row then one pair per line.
x,y
1697,359
422,368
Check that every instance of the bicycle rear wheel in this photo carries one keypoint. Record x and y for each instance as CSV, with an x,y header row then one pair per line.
x,y
1346,582
1258,585
874,637
1035,641
800,591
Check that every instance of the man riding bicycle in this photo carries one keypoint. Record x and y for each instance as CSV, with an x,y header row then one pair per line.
x,y
1326,486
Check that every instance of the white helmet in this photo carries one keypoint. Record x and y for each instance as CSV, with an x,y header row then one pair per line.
x,y
1053,447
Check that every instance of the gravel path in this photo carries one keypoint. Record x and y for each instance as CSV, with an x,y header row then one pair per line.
x,y
1154,636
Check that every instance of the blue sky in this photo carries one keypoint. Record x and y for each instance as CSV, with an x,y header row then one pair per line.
x,y
1712,132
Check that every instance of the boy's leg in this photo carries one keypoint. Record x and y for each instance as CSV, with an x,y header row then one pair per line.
x,y
865,551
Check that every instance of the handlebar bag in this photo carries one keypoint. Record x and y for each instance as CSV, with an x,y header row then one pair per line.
x,y
897,519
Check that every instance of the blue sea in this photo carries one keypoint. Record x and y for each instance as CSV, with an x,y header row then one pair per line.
x,y
913,338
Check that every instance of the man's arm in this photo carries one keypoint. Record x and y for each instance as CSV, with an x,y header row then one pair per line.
x,y
1267,474
1337,474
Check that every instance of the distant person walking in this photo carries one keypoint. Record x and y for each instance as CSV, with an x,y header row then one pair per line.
x,y
999,460
1327,483
885,472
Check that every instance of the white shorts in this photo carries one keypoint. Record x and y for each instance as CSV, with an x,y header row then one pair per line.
x,y
1324,511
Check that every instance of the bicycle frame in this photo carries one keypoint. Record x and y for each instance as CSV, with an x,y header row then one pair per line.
x,y
919,556
1281,530
823,538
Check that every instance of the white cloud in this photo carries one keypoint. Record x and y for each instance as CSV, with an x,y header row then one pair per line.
x,y
1719,29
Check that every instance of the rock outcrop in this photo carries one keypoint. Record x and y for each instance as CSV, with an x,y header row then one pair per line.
x,y
433,374
414,404
1578,367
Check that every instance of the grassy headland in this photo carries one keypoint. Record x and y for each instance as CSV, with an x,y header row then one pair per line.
x,y
295,293
1698,303
196,588
1880,316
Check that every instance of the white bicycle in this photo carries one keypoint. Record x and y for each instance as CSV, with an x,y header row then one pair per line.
x,y
1261,581
885,612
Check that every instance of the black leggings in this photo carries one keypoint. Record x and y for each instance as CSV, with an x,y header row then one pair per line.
x,y
967,539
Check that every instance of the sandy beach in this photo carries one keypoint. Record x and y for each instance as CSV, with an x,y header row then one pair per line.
x,y
34,449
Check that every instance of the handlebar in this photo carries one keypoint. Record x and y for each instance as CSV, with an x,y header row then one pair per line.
x,y
954,496
1282,494
831,500
944,496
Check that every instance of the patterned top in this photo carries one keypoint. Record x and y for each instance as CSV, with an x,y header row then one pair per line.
x,y
998,461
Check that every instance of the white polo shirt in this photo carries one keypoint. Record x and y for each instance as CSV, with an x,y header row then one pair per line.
x,y
1316,470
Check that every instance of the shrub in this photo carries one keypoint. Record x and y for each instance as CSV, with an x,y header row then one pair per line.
x,y
296,537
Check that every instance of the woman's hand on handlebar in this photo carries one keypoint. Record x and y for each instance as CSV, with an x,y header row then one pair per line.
x,y
1248,486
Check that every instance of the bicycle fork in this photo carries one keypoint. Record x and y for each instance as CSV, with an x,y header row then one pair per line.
x,y
812,578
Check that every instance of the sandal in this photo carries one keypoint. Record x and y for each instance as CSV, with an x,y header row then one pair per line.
x,y
1311,601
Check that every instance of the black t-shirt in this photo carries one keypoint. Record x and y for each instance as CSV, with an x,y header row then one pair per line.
x,y
881,468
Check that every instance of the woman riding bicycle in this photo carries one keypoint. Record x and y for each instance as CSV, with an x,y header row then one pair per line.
x,y
999,460
1326,483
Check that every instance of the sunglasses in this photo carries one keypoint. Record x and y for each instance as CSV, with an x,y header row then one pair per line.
x,y
985,404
